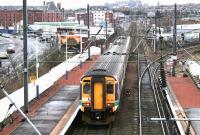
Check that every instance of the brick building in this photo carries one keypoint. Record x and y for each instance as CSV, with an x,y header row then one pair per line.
x,y
109,17
84,17
11,15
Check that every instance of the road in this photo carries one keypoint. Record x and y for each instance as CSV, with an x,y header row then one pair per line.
x,y
17,57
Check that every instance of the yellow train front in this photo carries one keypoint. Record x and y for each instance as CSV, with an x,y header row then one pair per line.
x,y
101,86
99,100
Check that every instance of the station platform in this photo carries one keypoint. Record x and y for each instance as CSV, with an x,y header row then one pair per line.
x,y
188,98
54,108
49,115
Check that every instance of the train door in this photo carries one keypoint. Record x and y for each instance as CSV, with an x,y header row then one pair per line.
x,y
98,95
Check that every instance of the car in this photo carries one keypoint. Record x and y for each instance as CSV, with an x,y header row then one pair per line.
x,y
20,37
11,49
6,35
3,55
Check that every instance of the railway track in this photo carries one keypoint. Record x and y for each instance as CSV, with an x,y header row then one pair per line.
x,y
136,106
80,128
126,119
126,122
152,98
84,129
148,100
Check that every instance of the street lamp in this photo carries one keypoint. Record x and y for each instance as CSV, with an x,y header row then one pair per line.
x,y
66,47
37,66
36,54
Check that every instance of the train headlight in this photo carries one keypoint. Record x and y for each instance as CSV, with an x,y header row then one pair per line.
x,y
86,104
110,104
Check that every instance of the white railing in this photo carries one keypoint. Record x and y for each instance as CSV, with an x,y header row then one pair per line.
x,y
44,82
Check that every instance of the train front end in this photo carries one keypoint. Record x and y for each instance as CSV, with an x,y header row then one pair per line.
x,y
98,99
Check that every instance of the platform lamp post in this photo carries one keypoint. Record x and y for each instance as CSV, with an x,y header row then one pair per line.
x,y
36,52
106,25
66,47
37,66
88,17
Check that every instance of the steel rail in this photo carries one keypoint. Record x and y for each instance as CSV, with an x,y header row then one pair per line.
x,y
139,89
152,82
158,88
156,95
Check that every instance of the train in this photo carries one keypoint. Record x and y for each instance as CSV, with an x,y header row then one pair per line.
x,y
101,85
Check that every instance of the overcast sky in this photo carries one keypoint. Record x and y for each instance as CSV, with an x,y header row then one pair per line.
x,y
83,3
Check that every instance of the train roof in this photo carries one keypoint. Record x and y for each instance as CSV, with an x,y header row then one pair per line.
x,y
112,61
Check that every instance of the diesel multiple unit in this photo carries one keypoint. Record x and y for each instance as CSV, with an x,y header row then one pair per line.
x,y
101,86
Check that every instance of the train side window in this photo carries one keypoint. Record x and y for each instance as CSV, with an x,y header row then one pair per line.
x,y
110,88
87,88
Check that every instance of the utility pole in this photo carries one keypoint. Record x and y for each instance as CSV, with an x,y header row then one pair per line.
x,y
43,13
145,23
37,67
154,47
174,32
36,52
25,56
66,48
174,42
88,15
106,31
159,16
114,25
159,31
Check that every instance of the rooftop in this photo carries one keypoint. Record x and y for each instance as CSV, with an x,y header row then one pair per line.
x,y
49,6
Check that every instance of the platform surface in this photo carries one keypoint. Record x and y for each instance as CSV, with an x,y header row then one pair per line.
x,y
51,112
188,96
